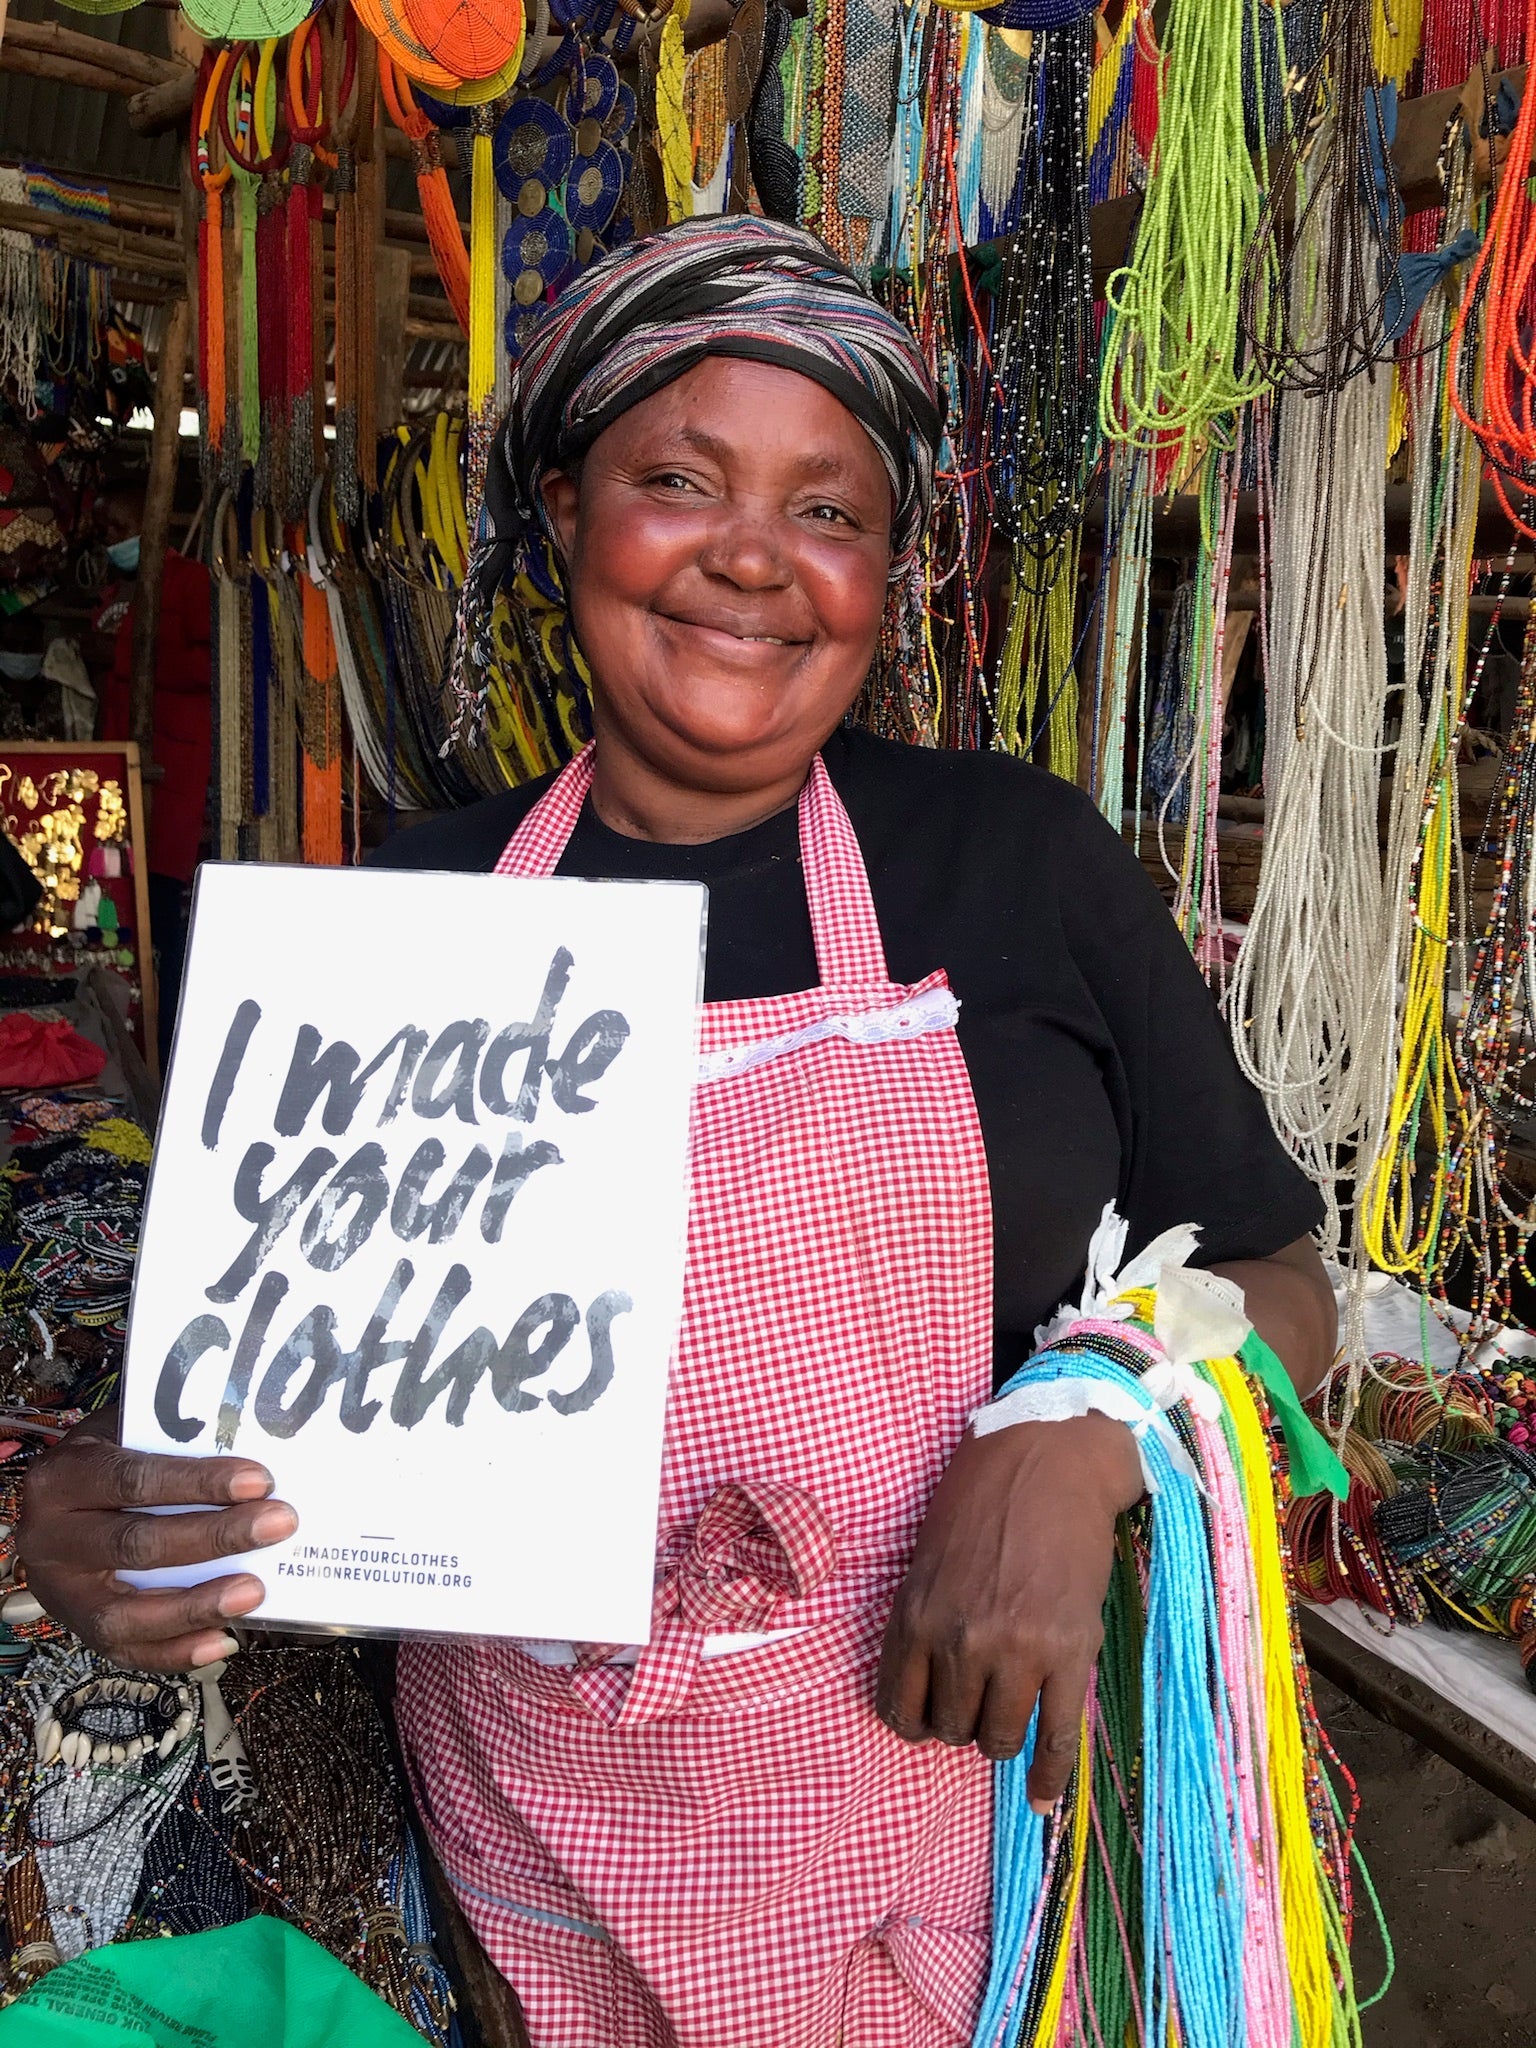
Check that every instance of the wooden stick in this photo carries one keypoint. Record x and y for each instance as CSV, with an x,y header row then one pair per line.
x,y
130,205
153,255
165,106
51,36
62,70
159,490
451,335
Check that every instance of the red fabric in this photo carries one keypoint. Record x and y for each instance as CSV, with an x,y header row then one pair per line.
x,y
733,1850
35,1054
183,714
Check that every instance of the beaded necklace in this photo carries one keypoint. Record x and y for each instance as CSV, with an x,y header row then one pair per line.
x,y
213,343
235,108
1401,1222
1197,1874
1172,362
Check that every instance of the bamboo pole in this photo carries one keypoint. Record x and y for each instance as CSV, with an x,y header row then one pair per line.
x,y
159,490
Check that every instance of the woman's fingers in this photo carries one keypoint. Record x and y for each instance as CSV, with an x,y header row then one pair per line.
x,y
901,1691
116,1541
1005,1712
173,1630
82,1524
957,1681
91,1472
1063,1697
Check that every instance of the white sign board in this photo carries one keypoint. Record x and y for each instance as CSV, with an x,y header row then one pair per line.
x,y
415,1236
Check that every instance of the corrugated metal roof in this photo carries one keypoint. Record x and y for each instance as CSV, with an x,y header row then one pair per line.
x,y
70,127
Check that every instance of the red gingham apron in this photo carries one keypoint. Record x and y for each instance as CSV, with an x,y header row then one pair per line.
x,y
732,1851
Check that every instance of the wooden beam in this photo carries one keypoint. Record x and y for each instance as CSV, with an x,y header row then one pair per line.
x,y
132,205
1405,1702
395,303
159,490
51,37
161,107
122,248
56,70
450,335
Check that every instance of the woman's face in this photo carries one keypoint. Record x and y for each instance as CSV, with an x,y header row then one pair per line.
x,y
727,546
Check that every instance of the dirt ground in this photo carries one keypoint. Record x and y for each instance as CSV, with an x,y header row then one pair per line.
x,y
1456,1872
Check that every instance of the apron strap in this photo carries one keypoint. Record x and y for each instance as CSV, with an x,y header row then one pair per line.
x,y
849,952
533,852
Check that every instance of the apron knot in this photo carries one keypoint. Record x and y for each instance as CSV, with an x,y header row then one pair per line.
x,y
755,1544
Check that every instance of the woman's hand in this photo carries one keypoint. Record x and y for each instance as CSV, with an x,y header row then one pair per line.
x,y
74,1537
1002,1604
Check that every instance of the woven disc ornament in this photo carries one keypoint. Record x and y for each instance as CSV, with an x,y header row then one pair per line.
x,y
598,92
531,151
235,21
592,190
626,109
474,39
536,255
521,321
443,113
386,23
100,6
479,92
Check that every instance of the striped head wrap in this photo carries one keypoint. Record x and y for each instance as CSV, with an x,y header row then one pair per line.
x,y
643,316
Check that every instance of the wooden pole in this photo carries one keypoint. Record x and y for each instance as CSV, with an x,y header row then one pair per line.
x,y
160,107
134,68
64,70
123,248
130,204
159,490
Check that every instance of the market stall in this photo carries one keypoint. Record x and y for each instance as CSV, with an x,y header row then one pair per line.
x,y
1236,529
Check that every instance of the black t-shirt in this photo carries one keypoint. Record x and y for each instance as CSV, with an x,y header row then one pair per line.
x,y
1101,1067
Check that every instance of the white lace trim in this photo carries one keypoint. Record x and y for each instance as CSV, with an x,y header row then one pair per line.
x,y
1063,1399
935,1010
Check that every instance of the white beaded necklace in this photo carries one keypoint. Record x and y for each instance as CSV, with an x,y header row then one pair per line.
x,y
1311,1001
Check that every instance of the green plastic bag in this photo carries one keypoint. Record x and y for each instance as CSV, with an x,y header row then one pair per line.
x,y
260,1984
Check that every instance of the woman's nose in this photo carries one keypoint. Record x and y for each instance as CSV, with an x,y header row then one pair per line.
x,y
747,549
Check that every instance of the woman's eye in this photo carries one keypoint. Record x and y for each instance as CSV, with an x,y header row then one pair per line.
x,y
672,480
830,515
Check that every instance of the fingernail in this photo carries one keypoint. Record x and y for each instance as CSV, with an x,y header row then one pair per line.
x,y
1044,1807
212,1650
274,1523
240,1596
250,1485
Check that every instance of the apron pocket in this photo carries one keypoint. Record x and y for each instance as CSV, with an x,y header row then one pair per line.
x,y
576,1986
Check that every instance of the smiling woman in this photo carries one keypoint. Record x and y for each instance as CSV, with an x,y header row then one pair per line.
x,y
959,1023
742,518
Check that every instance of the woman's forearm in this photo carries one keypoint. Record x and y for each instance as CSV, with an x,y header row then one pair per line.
x,y
1289,1301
